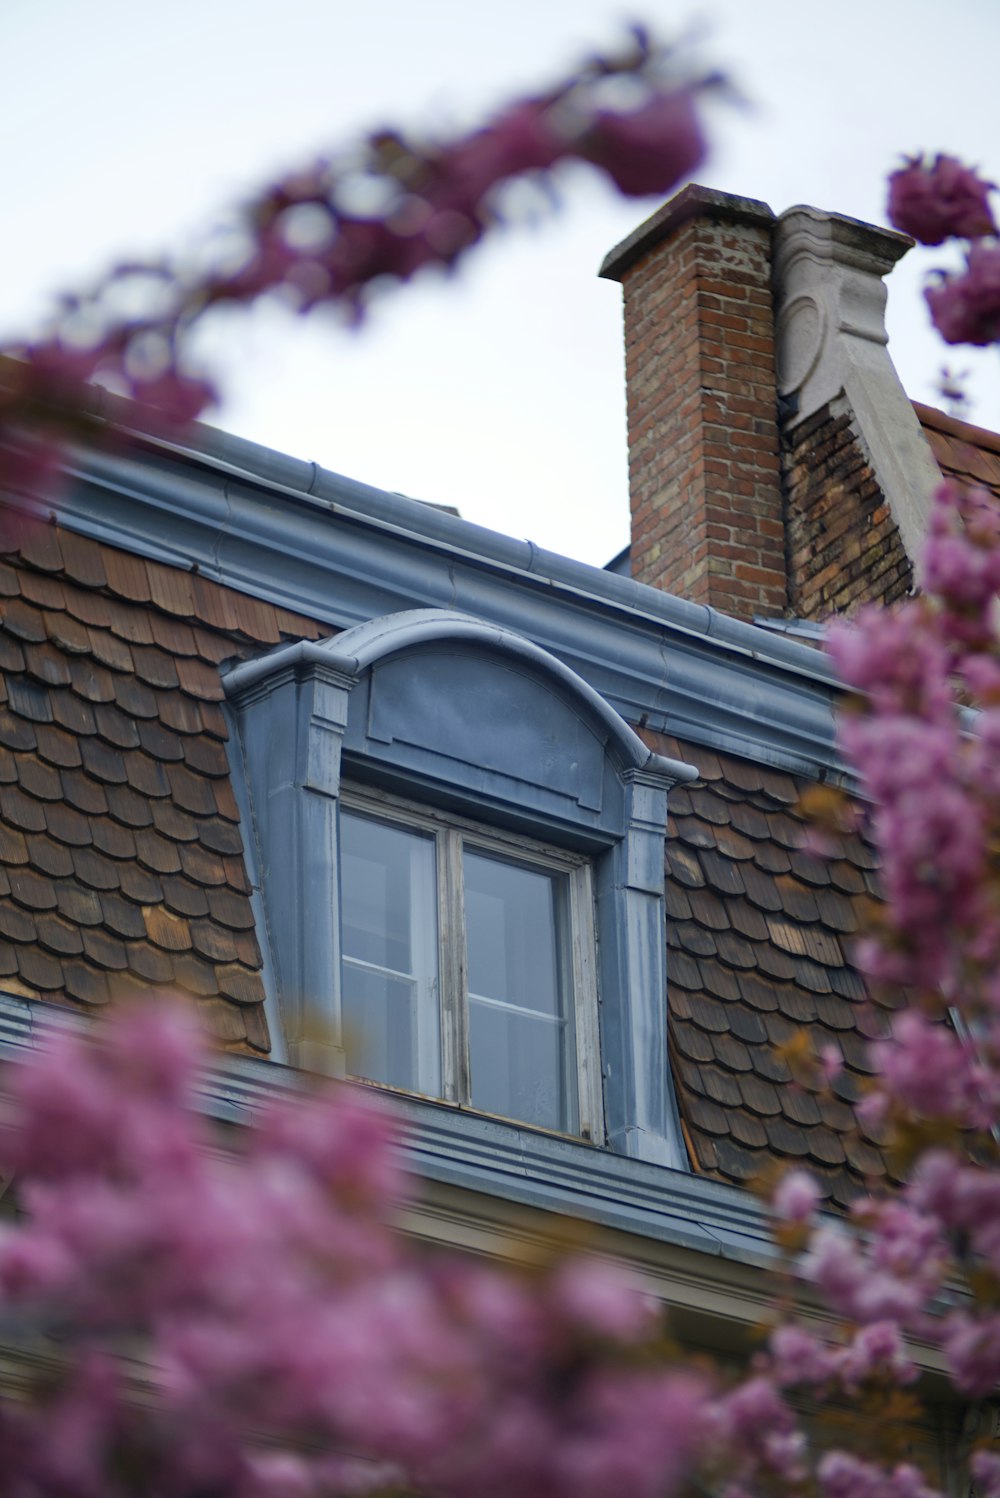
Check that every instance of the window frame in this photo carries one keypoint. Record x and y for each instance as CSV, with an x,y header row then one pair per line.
x,y
462,713
452,833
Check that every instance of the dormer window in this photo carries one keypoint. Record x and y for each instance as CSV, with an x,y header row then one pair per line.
x,y
462,853
468,966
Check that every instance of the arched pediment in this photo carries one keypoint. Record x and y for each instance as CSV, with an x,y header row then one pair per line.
x,y
449,721
485,715
440,633
474,711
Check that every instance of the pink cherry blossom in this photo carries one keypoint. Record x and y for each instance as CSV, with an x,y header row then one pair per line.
x,y
929,1069
877,1351
843,1475
837,1264
268,1293
601,1297
763,1432
796,1197
798,1357
965,306
985,1467
630,146
940,201
972,1345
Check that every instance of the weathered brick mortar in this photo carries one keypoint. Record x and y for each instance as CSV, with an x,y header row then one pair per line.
x,y
843,546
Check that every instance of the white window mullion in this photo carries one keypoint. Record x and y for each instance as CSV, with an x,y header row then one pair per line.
x,y
583,940
424,944
454,983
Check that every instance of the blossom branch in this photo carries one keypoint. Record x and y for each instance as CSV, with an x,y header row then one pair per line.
x,y
336,231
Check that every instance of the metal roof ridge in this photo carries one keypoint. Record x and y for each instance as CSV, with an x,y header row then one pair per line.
x,y
426,524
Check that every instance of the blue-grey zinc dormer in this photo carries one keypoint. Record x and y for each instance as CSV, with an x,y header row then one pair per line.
x,y
455,712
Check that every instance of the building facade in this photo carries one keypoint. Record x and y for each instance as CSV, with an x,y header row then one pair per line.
x,y
515,839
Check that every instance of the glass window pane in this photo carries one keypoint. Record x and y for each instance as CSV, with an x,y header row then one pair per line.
x,y
510,915
380,1027
392,1030
517,1065
521,1042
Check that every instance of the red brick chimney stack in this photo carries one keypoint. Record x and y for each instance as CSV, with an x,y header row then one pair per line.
x,y
703,403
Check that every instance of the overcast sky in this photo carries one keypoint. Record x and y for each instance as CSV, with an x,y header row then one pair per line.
x,y
124,126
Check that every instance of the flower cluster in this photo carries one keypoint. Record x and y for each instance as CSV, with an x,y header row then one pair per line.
x,y
925,740
240,1316
921,1261
940,200
288,1339
965,308
843,1475
933,783
945,200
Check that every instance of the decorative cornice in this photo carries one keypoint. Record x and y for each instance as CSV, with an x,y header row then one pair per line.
x,y
828,282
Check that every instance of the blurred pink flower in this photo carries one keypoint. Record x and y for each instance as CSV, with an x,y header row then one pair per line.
x,y
939,201
797,1197
649,149
965,306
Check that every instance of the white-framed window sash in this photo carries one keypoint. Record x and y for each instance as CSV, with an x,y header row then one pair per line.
x,y
464,715
514,1032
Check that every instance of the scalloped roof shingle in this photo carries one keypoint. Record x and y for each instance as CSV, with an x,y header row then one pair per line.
x,y
964,452
759,936
121,856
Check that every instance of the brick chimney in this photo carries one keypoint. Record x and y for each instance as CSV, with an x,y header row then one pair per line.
x,y
776,463
703,403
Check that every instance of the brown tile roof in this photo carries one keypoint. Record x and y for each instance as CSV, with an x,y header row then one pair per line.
x,y
964,452
121,859
759,935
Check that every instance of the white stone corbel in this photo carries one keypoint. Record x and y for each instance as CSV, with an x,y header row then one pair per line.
x,y
831,342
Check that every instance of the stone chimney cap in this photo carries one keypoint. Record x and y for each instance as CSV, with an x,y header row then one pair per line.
x,y
691,202
849,241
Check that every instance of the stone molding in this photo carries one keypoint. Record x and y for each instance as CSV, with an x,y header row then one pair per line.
x,y
693,201
831,339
